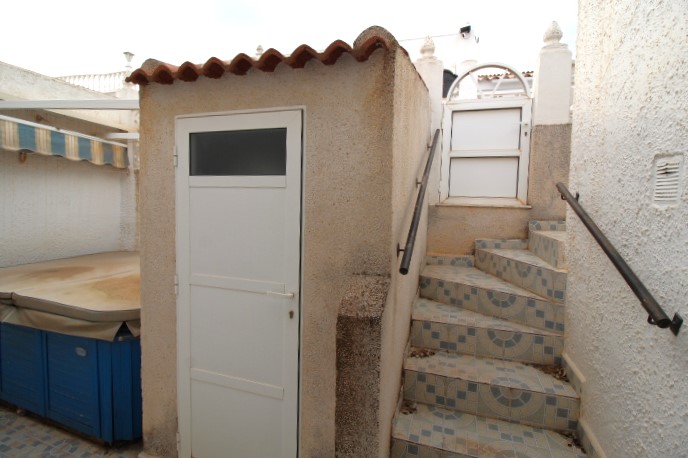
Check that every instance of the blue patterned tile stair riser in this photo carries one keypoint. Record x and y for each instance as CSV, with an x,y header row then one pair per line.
x,y
491,388
449,260
483,377
430,431
473,289
549,246
554,225
446,327
524,269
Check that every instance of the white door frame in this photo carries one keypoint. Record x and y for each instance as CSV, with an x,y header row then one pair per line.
x,y
182,262
524,103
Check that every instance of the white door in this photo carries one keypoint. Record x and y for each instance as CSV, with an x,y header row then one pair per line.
x,y
238,264
486,148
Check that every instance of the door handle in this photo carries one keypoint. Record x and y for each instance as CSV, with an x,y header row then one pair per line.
x,y
283,295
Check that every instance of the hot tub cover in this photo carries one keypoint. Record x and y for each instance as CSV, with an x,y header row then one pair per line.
x,y
89,296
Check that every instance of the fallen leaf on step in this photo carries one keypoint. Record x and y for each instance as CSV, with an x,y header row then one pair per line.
x,y
421,353
408,407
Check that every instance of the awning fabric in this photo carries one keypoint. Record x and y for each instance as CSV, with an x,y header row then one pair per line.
x,y
20,135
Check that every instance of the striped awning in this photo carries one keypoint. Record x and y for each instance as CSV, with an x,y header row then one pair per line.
x,y
19,135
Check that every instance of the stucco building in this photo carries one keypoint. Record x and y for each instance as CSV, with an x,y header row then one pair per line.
x,y
360,117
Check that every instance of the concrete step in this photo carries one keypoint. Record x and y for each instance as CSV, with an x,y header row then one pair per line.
x,y
524,269
492,388
472,289
447,327
434,432
550,246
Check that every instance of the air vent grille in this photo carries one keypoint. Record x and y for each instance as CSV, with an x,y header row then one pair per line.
x,y
667,180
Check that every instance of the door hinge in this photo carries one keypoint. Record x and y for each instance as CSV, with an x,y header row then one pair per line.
x,y
179,443
176,285
175,156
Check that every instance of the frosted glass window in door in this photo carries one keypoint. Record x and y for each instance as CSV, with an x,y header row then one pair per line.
x,y
253,152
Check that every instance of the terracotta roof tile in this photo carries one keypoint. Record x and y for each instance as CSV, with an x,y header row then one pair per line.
x,y
369,41
507,76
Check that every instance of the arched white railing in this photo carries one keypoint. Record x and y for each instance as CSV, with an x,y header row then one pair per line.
x,y
480,91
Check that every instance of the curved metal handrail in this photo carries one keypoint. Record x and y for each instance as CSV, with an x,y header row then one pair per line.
x,y
657,316
413,230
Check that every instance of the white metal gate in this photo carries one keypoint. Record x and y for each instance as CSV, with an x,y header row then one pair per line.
x,y
486,142
238,258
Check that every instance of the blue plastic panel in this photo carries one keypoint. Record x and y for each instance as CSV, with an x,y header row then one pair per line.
x,y
72,374
23,367
89,385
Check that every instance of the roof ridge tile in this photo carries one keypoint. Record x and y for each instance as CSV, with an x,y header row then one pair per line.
x,y
366,43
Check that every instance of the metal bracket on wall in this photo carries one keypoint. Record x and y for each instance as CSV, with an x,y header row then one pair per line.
x,y
674,326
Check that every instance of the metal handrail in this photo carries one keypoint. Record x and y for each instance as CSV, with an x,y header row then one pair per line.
x,y
413,230
657,316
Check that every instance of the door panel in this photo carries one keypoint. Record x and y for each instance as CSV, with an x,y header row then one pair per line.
x,y
485,130
484,177
486,148
209,334
218,212
238,261
251,412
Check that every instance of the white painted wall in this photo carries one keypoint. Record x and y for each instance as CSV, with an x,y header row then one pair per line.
x,y
51,207
630,105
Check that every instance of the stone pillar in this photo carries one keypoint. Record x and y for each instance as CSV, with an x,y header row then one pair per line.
x,y
552,85
431,69
359,352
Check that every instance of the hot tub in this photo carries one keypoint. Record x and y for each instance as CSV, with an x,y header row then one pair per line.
x,y
69,342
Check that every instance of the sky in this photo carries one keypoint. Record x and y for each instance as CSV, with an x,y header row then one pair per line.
x,y
71,37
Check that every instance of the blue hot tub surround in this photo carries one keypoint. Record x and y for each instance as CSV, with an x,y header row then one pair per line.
x,y
69,345
89,385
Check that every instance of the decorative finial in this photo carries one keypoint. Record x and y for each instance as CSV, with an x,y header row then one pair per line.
x,y
259,51
428,48
553,35
128,56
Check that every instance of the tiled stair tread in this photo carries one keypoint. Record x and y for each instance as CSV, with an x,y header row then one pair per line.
x,y
507,374
428,310
449,260
468,435
524,256
557,235
475,277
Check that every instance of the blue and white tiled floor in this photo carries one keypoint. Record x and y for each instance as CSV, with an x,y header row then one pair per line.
x,y
26,436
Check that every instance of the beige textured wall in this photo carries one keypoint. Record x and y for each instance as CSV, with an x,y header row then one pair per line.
x,y
454,229
411,136
630,107
348,206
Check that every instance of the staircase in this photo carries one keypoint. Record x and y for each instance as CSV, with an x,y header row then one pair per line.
x,y
483,375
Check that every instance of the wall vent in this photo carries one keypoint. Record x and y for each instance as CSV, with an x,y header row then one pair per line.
x,y
667,171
